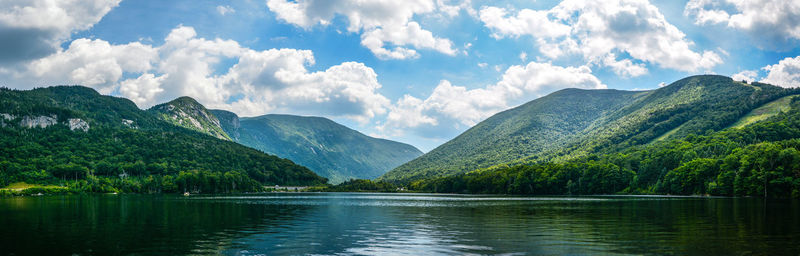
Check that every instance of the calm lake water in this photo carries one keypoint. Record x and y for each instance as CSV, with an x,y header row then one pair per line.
x,y
395,224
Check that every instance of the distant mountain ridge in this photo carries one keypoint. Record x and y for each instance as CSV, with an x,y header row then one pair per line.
x,y
326,147
330,149
573,123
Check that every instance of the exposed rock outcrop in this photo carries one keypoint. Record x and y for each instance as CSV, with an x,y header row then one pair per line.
x,y
78,124
229,122
38,121
129,124
44,122
188,113
5,117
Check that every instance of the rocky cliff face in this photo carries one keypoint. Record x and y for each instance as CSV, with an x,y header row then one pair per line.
x,y
44,122
229,122
38,121
188,113
4,118
78,124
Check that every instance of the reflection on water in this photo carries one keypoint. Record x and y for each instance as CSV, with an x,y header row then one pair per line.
x,y
396,224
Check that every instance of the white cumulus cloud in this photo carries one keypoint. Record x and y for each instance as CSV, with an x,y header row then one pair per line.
x,y
34,28
260,82
387,27
785,74
771,23
90,62
746,75
142,89
601,32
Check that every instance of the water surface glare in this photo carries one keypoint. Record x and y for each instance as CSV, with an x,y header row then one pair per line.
x,y
396,224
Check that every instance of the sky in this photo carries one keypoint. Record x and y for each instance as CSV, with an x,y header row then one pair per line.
x,y
414,71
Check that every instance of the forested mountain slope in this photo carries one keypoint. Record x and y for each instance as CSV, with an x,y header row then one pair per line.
x,y
326,147
759,159
538,126
693,105
569,124
73,136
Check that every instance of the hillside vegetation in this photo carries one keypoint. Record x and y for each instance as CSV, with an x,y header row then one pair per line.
x,y
72,136
697,104
542,125
574,124
326,147
766,111
761,159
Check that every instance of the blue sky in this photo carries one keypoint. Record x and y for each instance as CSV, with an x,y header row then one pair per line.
x,y
419,72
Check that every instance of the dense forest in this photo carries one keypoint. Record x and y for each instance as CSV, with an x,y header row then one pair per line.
x,y
124,149
693,105
762,159
576,124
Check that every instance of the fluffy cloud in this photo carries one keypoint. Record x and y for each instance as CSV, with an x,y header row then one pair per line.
x,y
274,80
346,90
746,75
624,67
697,9
525,22
189,63
772,23
142,89
387,27
452,10
450,106
785,74
93,63
35,28
600,31
260,82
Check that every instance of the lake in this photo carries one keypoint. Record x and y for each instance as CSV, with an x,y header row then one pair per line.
x,y
395,224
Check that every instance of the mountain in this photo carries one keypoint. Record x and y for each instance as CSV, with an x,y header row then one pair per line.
x,y
574,123
760,158
693,105
326,147
74,137
540,125
188,113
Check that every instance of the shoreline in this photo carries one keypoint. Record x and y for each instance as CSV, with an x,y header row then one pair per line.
x,y
4,193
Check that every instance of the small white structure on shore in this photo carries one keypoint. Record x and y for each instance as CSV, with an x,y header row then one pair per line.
x,y
279,188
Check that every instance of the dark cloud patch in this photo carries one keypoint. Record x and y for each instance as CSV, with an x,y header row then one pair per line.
x,y
627,22
22,44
